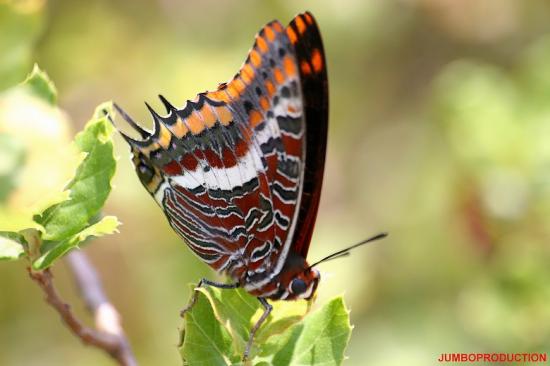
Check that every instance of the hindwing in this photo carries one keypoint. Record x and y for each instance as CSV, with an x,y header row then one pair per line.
x,y
234,170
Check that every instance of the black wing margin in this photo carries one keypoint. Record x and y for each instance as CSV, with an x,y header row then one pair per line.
x,y
306,39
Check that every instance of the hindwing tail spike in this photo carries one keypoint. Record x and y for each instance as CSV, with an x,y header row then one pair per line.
x,y
143,133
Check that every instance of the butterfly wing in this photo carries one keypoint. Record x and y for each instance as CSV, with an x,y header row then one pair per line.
x,y
231,167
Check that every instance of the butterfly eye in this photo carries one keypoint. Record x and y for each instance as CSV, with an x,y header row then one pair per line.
x,y
145,173
298,286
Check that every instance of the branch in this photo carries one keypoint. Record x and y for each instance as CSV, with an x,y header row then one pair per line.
x,y
108,334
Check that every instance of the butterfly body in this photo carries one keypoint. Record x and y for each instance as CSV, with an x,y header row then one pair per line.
x,y
238,171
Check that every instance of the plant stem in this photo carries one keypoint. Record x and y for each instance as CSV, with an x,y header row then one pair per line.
x,y
108,334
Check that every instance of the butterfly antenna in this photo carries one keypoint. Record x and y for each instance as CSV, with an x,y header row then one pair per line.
x,y
345,252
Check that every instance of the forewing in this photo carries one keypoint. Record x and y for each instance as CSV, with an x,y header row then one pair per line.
x,y
305,37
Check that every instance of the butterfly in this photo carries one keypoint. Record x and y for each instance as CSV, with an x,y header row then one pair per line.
x,y
238,171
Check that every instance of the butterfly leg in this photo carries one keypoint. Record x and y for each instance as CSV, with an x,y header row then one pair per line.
x,y
202,282
257,326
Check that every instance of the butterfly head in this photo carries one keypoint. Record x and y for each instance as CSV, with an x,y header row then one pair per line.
x,y
304,284
149,175
144,153
297,280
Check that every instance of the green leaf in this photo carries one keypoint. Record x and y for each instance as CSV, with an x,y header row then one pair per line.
x,y
285,338
236,309
49,200
107,225
41,86
91,184
11,246
57,221
205,340
320,339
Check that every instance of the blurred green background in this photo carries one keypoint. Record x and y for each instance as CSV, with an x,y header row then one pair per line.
x,y
439,134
